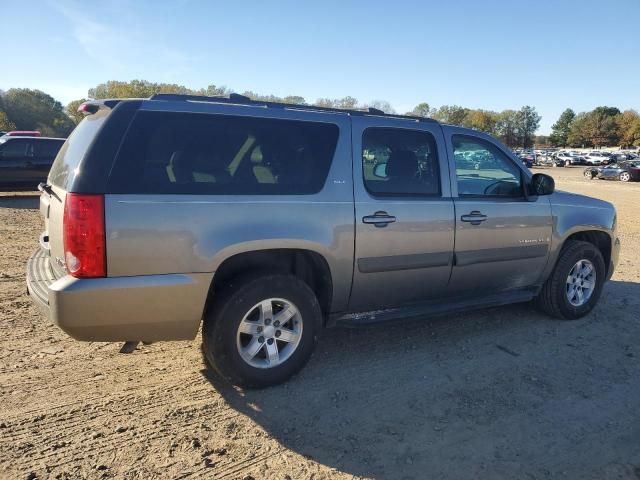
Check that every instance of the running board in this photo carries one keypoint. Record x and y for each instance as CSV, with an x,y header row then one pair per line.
x,y
429,309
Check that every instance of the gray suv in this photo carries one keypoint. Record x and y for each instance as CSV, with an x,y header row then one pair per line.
x,y
266,222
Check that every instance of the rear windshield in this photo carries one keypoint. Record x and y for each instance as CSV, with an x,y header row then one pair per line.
x,y
67,163
186,153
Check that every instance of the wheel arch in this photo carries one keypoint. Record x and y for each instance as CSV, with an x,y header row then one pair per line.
x,y
309,265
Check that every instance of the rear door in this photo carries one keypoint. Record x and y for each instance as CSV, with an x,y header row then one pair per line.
x,y
404,213
502,236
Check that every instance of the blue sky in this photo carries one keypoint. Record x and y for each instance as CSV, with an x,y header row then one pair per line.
x,y
479,54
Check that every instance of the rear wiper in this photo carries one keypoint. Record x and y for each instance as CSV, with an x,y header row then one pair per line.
x,y
45,187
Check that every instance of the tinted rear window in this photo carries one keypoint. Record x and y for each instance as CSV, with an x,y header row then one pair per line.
x,y
185,153
66,165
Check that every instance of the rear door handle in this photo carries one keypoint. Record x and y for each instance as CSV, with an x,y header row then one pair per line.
x,y
379,219
475,218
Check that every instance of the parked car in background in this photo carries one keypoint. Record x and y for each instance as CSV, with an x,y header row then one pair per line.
x,y
26,161
566,159
528,159
625,171
23,133
596,158
266,222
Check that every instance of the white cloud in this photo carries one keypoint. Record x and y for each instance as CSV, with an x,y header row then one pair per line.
x,y
122,50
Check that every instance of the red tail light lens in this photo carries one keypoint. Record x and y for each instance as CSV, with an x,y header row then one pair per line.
x,y
84,236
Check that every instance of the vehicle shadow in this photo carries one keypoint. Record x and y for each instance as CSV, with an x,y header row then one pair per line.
x,y
20,201
486,394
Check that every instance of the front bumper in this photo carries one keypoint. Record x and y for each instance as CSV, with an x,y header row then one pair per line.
x,y
615,256
147,307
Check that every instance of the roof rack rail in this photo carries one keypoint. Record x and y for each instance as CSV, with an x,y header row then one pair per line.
x,y
237,99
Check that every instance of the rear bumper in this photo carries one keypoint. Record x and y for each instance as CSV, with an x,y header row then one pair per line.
x,y
148,307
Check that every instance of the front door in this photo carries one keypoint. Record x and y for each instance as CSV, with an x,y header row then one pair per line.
x,y
502,235
404,214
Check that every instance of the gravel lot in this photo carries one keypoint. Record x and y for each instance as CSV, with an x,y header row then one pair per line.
x,y
500,393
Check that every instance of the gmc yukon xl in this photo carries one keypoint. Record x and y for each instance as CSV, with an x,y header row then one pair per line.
x,y
266,222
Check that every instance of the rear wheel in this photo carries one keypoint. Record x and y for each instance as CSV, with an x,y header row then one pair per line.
x,y
625,177
574,286
588,174
262,330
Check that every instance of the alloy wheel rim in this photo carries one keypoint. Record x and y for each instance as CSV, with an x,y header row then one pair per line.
x,y
269,333
581,283
624,177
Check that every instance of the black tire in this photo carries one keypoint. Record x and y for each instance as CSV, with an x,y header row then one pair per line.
x,y
231,305
552,299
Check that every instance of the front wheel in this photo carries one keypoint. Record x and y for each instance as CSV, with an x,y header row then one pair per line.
x,y
625,177
262,330
567,163
574,286
588,174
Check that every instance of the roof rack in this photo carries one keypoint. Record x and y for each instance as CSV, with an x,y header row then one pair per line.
x,y
237,99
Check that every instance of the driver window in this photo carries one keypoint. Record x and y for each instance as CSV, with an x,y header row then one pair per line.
x,y
483,170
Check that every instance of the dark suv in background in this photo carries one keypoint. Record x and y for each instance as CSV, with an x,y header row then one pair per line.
x,y
26,161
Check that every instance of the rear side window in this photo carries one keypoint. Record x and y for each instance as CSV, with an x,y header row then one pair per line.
x,y
66,165
185,153
400,162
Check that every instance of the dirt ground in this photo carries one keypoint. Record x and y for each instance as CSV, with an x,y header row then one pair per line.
x,y
499,393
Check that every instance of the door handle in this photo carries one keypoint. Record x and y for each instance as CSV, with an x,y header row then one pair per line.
x,y
379,219
475,218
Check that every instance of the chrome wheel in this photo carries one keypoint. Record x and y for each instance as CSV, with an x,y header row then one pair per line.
x,y
581,283
625,177
588,174
269,333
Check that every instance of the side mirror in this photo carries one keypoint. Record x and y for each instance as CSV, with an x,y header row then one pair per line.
x,y
380,170
542,184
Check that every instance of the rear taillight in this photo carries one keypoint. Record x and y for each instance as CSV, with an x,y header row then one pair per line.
x,y
84,236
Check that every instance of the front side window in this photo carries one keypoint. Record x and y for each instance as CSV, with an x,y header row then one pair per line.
x,y
484,170
183,153
400,162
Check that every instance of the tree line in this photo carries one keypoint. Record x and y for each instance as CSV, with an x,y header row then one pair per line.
x,y
601,127
27,109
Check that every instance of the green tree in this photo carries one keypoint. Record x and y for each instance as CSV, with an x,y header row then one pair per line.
x,y
294,99
72,110
627,121
527,121
143,89
451,114
560,130
506,128
578,135
35,110
601,126
421,110
5,123
482,120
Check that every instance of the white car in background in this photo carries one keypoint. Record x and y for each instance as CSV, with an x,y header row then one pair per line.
x,y
596,158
